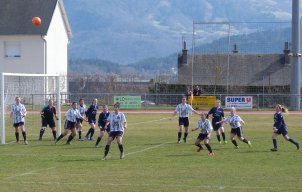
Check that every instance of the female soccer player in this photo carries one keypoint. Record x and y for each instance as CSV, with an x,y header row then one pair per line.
x,y
205,133
91,115
18,112
280,128
102,122
118,123
70,124
81,108
47,114
235,122
217,114
183,109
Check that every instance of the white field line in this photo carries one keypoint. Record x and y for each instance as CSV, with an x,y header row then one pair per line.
x,y
146,149
151,121
28,173
153,185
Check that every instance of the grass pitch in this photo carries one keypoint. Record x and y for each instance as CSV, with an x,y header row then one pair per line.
x,y
153,161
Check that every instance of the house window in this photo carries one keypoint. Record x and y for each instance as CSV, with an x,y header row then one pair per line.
x,y
12,49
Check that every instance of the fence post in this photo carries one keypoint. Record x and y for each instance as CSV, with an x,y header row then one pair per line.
x,y
258,102
2,110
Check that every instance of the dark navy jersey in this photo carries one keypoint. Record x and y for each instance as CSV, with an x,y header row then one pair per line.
x,y
279,121
217,114
92,111
48,113
103,119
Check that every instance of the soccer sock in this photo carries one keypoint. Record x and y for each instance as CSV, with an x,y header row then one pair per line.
x,y
54,134
42,132
200,146
60,137
218,138
80,134
98,140
234,142
179,136
92,133
292,141
209,148
121,147
275,143
70,138
88,133
185,135
244,140
24,135
106,150
17,136
223,135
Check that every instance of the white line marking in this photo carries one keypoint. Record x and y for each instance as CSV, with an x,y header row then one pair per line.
x,y
28,173
146,149
151,121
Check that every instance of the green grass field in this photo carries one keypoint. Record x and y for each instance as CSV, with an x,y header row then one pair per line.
x,y
154,162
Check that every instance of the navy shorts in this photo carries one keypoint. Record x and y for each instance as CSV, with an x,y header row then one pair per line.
x,y
216,126
49,122
16,125
202,136
103,129
184,121
281,131
91,121
237,131
115,134
79,121
69,125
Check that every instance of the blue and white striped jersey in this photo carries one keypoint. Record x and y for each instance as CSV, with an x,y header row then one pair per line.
x,y
184,110
116,121
81,109
204,126
234,121
73,114
18,112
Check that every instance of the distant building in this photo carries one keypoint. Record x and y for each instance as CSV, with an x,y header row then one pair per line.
x,y
244,69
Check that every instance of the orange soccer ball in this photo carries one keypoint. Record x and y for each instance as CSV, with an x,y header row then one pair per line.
x,y
36,21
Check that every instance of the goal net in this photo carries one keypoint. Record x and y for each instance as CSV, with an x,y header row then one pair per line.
x,y
35,90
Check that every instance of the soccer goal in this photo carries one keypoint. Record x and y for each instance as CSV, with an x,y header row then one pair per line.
x,y
35,90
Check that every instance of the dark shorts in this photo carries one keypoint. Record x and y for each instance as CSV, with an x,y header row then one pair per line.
x,y
216,126
184,121
103,129
79,121
115,134
16,125
91,121
49,122
282,131
237,131
69,125
202,136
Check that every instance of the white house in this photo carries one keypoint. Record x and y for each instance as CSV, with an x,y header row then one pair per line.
x,y
25,48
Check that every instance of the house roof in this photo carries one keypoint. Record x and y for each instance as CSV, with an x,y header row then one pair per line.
x,y
16,16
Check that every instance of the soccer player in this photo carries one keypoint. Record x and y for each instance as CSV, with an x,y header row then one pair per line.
x,y
81,108
47,114
91,115
70,124
280,128
118,123
102,122
235,122
205,133
183,109
217,115
18,112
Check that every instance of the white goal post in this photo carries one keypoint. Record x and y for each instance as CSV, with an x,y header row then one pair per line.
x,y
35,90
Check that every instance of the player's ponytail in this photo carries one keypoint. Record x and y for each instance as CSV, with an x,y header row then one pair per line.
x,y
282,108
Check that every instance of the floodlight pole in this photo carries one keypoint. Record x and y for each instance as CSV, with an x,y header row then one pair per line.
x,y
2,110
295,86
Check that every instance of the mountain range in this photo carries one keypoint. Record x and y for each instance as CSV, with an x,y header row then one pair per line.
x,y
133,31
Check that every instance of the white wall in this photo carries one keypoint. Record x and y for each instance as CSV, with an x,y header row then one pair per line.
x,y
32,55
57,42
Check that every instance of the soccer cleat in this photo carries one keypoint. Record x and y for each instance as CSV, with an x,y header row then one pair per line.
x,y
86,138
249,143
122,155
210,154
40,138
219,142
237,147
178,141
274,149
91,139
225,142
185,140
80,139
56,141
68,143
25,142
199,149
96,146
17,142
298,146
104,158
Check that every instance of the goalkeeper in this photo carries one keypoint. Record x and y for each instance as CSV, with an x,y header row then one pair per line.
x,y
48,114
